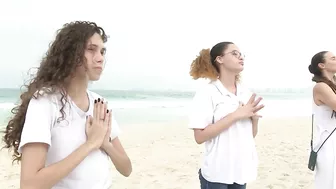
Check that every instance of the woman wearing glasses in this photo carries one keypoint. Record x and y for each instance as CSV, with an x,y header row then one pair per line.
x,y
224,117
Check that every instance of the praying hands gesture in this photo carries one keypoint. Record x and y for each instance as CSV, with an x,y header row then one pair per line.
x,y
98,126
98,130
108,118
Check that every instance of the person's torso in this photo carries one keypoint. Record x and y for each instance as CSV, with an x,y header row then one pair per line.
x,y
67,136
230,156
324,123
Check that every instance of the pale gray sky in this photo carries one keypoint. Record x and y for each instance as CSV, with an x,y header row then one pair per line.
x,y
152,43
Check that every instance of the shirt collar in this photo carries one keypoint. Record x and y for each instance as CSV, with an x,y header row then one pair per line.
x,y
224,91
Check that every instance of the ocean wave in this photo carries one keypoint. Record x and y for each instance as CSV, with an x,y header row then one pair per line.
x,y
127,104
6,105
272,107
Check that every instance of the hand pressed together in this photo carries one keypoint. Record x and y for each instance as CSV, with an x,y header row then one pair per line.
x,y
97,126
107,137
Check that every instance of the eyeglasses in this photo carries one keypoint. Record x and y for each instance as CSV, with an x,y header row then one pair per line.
x,y
235,53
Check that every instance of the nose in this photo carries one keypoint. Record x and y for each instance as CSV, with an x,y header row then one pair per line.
x,y
99,58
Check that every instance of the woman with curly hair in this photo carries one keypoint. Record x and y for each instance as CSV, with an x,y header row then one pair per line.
x,y
224,117
63,134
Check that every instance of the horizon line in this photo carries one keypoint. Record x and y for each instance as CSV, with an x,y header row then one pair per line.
x,y
187,90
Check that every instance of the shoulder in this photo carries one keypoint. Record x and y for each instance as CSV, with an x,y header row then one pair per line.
x,y
203,95
321,87
43,104
322,91
45,97
41,110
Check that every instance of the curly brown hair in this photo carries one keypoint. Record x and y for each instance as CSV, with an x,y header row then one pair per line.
x,y
56,69
205,66
201,67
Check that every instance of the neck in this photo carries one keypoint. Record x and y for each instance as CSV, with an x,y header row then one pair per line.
x,y
228,79
77,88
330,76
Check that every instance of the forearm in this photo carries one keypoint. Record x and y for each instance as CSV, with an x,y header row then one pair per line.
x,y
48,176
121,161
215,129
255,127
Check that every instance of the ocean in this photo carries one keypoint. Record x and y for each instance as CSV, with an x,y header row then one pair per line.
x,y
141,107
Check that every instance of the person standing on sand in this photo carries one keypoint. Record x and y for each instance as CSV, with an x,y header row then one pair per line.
x,y
63,134
224,117
323,67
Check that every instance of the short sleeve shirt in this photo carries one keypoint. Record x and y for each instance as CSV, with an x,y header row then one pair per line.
x,y
66,136
231,156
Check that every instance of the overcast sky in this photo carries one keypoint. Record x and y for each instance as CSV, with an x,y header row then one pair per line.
x,y
152,43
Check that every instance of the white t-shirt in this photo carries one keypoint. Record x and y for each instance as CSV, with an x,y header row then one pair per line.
x,y
66,136
231,156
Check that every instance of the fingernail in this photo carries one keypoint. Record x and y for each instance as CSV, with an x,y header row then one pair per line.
x,y
98,99
107,111
95,101
102,102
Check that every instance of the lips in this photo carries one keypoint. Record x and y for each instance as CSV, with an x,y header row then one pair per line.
x,y
98,68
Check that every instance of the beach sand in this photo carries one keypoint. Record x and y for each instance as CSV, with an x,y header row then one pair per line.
x,y
165,156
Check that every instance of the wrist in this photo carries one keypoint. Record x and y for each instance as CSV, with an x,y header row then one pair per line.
x,y
90,145
254,119
236,115
106,145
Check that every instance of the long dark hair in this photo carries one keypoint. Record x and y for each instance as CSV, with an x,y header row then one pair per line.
x,y
65,54
318,76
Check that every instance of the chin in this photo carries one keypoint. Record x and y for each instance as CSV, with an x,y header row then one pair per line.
x,y
237,71
94,78
241,68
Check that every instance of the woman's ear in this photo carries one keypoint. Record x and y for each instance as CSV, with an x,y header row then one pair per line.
x,y
321,65
218,60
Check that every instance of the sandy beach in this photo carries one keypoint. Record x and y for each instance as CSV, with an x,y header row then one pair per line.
x,y
164,155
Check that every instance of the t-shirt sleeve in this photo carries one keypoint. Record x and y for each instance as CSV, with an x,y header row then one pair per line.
x,y
115,129
201,110
38,122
